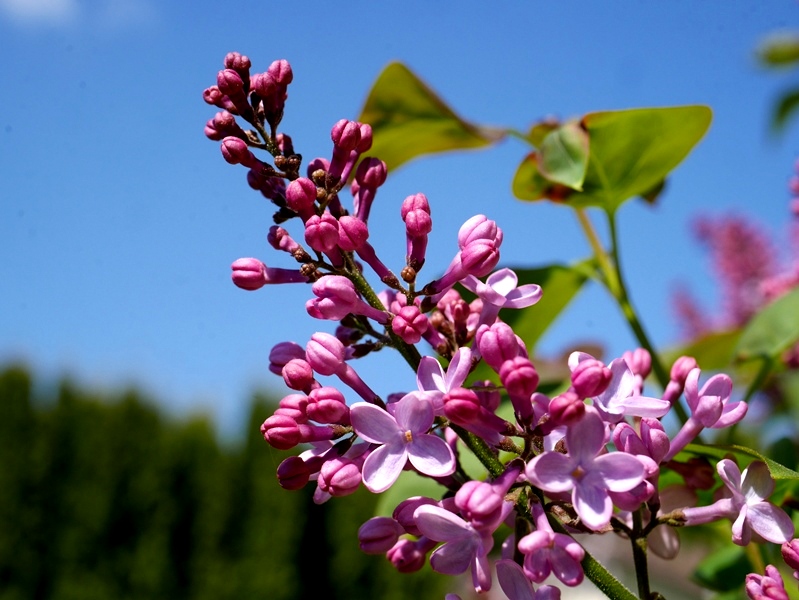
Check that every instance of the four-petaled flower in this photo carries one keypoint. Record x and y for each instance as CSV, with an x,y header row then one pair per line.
x,y
403,436
587,476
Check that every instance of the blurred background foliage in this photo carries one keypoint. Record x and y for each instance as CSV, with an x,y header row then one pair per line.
x,y
102,496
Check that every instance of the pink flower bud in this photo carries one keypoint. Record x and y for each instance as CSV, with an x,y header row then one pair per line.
x,y
321,233
462,406
409,556
293,473
298,375
346,135
336,297
487,394
280,239
339,477
366,138
418,224
497,343
371,173
235,151
566,409
237,62
281,432
480,257
249,273
639,361
294,406
325,353
265,85
230,83
327,405
379,534
790,554
404,513
413,203
281,71
520,379
282,353
410,324
590,378
681,367
301,197
479,227
353,233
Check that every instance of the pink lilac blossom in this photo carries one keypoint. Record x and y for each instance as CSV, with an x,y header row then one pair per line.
x,y
744,502
501,290
589,476
546,552
464,546
402,437
621,397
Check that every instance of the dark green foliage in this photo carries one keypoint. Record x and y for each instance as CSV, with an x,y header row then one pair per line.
x,y
104,498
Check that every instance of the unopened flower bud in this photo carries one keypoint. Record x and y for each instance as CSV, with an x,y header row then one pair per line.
x,y
353,233
590,378
790,553
566,409
301,196
281,71
325,353
339,477
249,273
321,232
409,556
281,432
346,134
639,361
681,368
298,375
294,406
235,151
293,473
282,353
404,513
379,534
410,324
327,405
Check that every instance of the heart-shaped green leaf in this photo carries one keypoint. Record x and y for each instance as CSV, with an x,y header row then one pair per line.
x,y
563,155
771,331
408,119
631,152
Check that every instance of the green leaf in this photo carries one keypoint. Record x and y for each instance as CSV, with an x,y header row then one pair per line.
x,y
563,156
777,471
786,106
724,569
712,351
631,152
780,50
408,119
560,284
771,331
540,130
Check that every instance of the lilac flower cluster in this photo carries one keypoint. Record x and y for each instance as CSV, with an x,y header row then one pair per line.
x,y
587,460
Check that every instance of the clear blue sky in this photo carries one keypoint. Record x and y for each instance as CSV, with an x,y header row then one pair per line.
x,y
119,220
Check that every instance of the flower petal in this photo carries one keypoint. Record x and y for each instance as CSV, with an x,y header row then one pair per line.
x,y
382,467
565,567
770,522
757,483
458,369
741,531
503,281
730,474
439,524
592,503
372,423
551,471
414,413
733,412
454,557
431,455
618,471
513,581
585,438
641,406
523,296
430,375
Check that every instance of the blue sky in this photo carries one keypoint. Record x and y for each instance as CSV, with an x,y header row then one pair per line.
x,y
119,220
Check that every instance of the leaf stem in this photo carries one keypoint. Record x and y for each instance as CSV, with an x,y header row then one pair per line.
x,y
638,541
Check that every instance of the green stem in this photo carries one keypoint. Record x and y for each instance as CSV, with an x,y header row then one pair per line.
x,y
409,352
598,574
638,542
481,450
762,374
601,256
